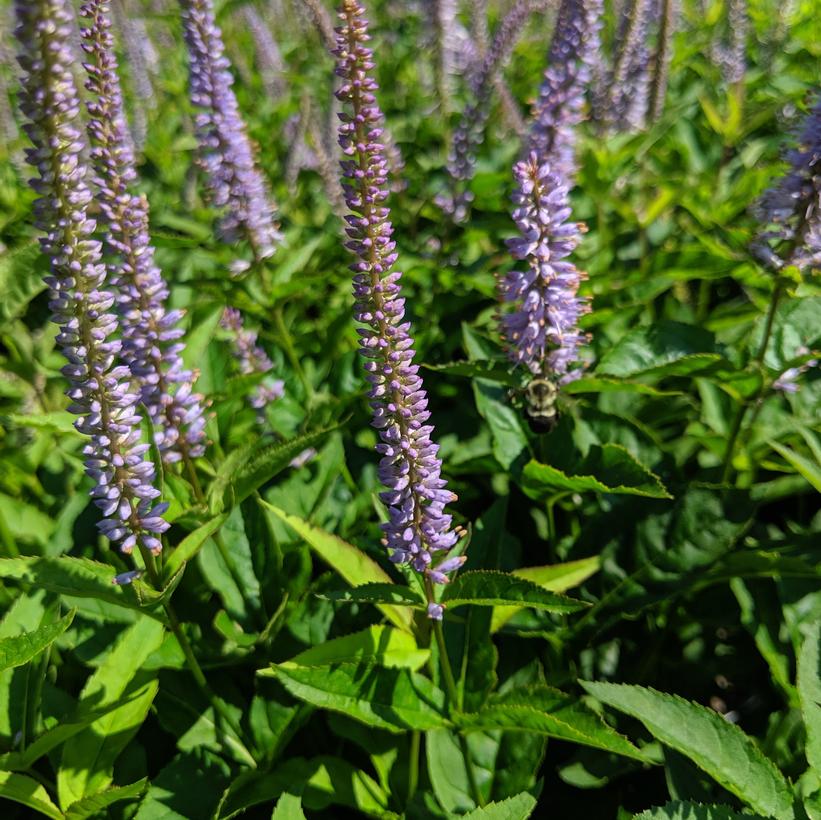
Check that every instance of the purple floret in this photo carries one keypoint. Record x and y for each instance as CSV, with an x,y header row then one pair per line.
x,y
418,530
98,388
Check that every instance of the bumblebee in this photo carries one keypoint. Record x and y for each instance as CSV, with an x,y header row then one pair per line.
x,y
541,410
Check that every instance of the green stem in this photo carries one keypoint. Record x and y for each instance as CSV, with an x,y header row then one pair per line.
x,y
736,428
413,764
453,699
220,710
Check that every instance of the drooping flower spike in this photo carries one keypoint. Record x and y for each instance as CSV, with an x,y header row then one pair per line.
x,y
80,304
151,345
418,531
235,183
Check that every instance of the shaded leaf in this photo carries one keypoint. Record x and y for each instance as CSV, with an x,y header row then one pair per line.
x,y
719,748
484,588
20,649
678,810
26,790
375,594
809,693
804,466
95,803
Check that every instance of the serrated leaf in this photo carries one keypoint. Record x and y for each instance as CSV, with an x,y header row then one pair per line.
x,y
484,588
605,469
553,577
26,790
248,468
492,371
55,422
719,748
80,577
288,807
20,649
664,349
552,713
380,645
518,807
96,803
192,544
679,810
375,594
808,681
351,564
393,699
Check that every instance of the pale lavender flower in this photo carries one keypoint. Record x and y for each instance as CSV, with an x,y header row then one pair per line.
x,y
787,382
669,20
251,358
151,345
418,528
734,57
322,21
630,81
542,331
470,131
226,156
80,305
790,212
269,58
125,578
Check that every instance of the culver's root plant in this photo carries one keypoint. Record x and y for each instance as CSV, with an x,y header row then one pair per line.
x,y
239,579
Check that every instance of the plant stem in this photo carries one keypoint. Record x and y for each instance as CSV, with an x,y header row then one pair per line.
x,y
735,430
413,764
453,699
220,711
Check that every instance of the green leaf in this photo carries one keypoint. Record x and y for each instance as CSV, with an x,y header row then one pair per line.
x,y
58,421
375,594
499,372
199,335
192,544
805,467
248,468
509,439
392,699
288,807
678,810
664,349
352,565
483,588
591,384
96,803
553,577
20,649
549,712
719,748
519,807
25,522
380,645
80,577
605,469
26,790
809,693
88,757
21,278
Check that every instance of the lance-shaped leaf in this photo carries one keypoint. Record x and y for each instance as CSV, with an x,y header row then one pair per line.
x,y
352,564
392,699
380,645
80,577
809,693
717,747
485,588
550,712
248,468
192,544
518,807
553,577
679,810
96,803
20,649
26,790
605,469
375,594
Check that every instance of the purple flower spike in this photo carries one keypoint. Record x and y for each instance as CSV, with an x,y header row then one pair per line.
x,y
80,305
150,345
226,156
542,332
560,106
418,527
791,211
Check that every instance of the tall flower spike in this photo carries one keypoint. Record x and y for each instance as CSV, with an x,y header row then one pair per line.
x,y
560,105
150,335
542,331
226,156
470,131
418,529
80,305
790,212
